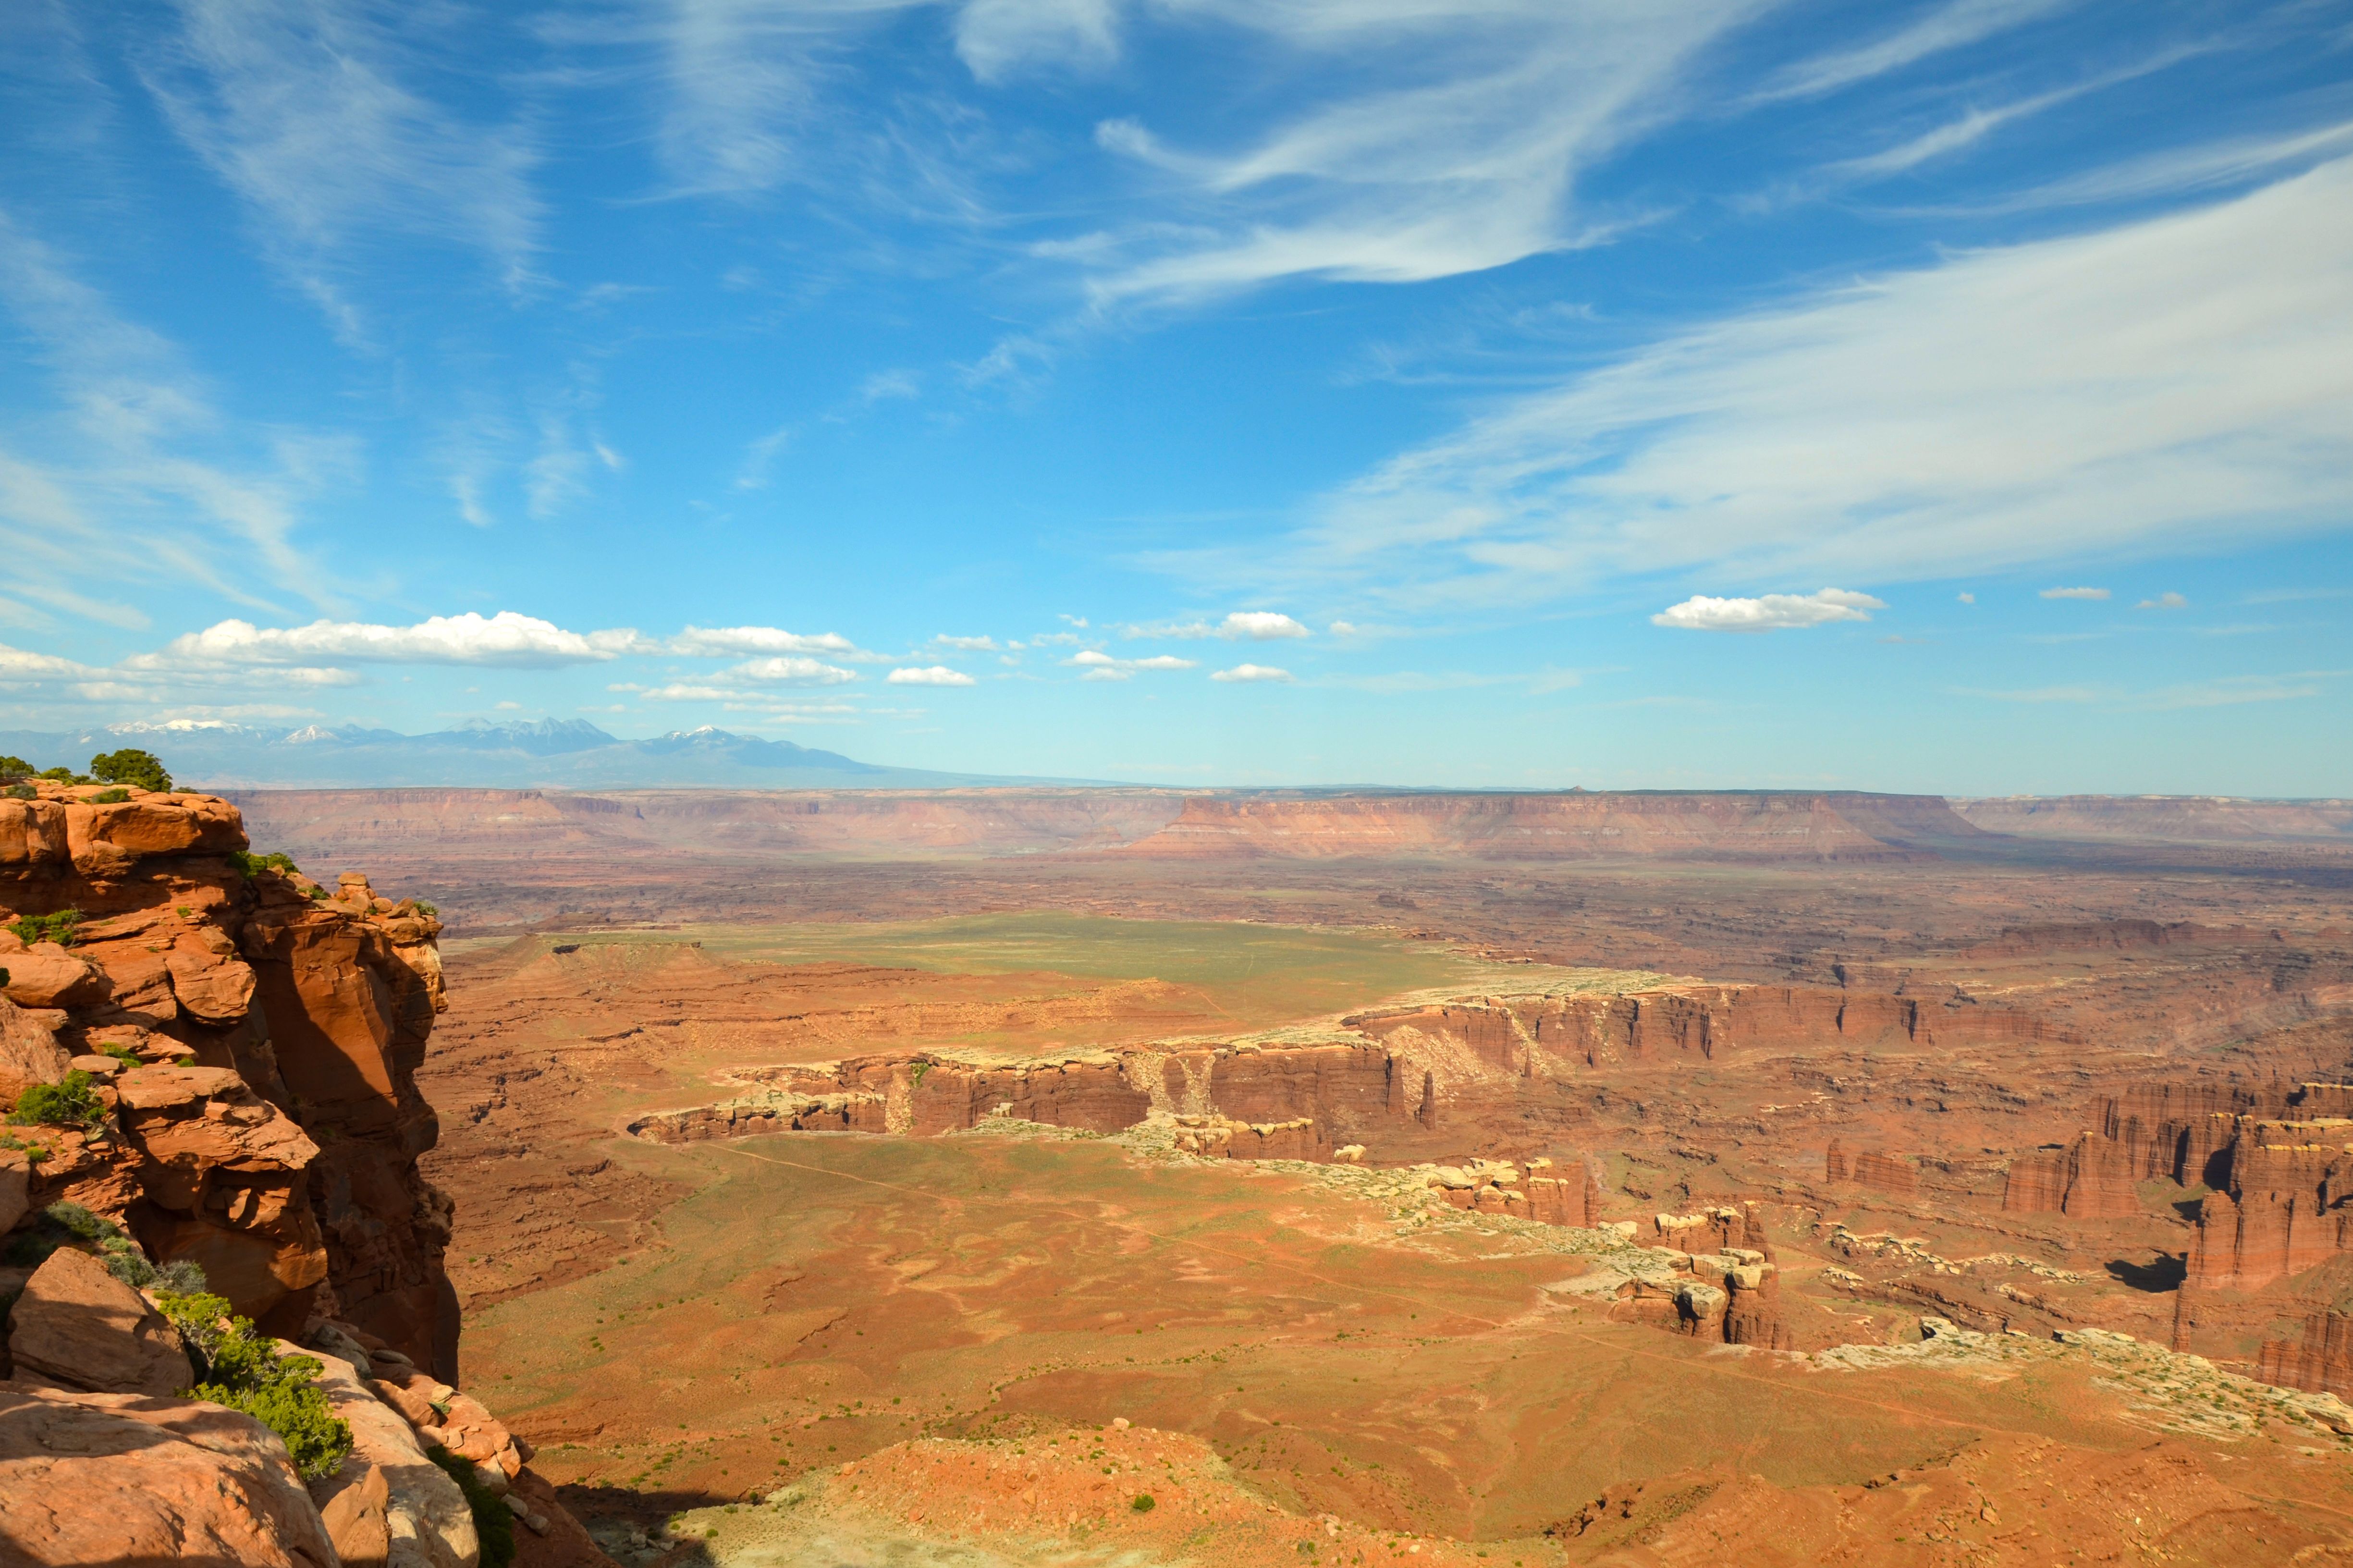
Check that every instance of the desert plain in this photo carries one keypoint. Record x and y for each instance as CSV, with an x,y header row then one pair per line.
x,y
1133,1177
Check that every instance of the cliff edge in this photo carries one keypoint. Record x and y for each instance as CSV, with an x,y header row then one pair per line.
x,y
211,1062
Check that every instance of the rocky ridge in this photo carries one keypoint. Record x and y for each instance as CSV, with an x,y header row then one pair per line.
x,y
215,1057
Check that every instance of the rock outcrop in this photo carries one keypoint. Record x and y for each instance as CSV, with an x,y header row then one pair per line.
x,y
123,1479
1407,1078
2289,1206
271,1130
77,1326
250,1040
2320,1361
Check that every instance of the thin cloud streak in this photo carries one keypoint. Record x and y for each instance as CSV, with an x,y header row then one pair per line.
x,y
2167,384
305,110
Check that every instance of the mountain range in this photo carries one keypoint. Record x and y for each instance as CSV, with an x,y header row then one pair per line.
x,y
556,754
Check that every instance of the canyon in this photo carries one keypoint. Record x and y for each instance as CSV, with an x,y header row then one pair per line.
x,y
935,1176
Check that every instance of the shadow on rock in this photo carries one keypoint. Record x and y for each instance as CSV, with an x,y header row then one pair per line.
x,y
629,1525
2164,1272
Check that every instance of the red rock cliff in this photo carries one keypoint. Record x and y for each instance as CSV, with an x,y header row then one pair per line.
x,y
271,1128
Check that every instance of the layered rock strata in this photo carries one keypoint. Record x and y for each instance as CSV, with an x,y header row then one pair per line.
x,y
1389,1085
2279,1156
256,1036
1723,1283
2319,1362
250,1040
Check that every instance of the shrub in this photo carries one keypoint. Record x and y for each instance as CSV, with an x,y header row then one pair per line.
x,y
122,1054
63,776
1143,1503
251,866
130,766
63,1223
57,927
493,1522
79,1222
67,1104
15,768
182,1277
21,792
110,797
239,1368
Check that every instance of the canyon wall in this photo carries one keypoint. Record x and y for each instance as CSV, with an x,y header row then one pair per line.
x,y
1410,1083
2277,1157
256,1036
2319,1362
1729,825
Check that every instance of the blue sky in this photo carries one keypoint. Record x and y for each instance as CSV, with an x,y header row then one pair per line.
x,y
1951,397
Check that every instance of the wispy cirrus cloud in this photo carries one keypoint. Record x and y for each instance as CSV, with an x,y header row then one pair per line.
x,y
310,110
1455,145
2170,382
136,475
1942,28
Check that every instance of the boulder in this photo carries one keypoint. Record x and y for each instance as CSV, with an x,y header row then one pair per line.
x,y
16,1185
29,1052
226,1167
216,989
355,1521
32,834
100,1479
46,976
428,1521
78,1325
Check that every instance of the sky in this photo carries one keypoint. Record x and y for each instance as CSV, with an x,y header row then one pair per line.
x,y
1952,396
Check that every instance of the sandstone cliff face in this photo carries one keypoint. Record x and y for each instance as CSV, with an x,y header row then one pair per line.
x,y
2289,1206
123,1479
2278,1156
271,1127
2321,1361
1551,1036
254,1039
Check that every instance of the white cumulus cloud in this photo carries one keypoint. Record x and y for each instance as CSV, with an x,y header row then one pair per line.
x,y
1101,666
505,638
791,670
1256,625
930,675
1261,626
721,641
1251,672
1766,613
